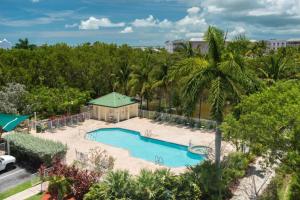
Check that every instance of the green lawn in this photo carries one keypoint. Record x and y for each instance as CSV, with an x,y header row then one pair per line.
x,y
14,190
36,197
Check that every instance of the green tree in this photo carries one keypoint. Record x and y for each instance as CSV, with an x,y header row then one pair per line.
x,y
186,48
268,123
24,44
140,81
223,75
275,68
13,99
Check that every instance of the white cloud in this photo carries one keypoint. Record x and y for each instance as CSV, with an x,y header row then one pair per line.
x,y
193,10
194,35
193,20
237,31
47,18
127,29
214,9
5,44
93,23
148,22
35,1
165,24
71,25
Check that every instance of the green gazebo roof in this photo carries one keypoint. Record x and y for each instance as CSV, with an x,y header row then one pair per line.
x,y
9,122
113,100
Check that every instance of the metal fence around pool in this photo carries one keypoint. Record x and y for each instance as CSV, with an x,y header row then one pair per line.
x,y
178,119
59,122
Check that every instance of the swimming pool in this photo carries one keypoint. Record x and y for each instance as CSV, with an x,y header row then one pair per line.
x,y
156,151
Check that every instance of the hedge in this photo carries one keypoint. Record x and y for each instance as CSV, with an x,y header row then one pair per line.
x,y
33,150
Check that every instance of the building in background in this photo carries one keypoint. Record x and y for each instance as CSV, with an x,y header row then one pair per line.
x,y
275,44
293,42
197,43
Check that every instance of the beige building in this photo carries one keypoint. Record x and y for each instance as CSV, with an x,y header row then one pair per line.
x,y
114,107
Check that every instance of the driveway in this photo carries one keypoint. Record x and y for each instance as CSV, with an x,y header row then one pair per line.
x,y
13,177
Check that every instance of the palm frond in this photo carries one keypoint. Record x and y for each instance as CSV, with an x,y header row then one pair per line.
x,y
217,99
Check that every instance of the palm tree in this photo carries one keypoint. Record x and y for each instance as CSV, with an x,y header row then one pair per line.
x,y
181,71
187,49
224,75
24,44
122,77
140,82
274,68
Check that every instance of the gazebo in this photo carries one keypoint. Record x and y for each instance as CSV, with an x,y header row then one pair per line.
x,y
114,107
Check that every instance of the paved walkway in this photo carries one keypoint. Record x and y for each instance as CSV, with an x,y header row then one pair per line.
x,y
253,184
28,193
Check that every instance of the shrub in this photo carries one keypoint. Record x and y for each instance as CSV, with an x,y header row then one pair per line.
x,y
33,150
187,187
234,167
80,180
295,188
199,182
59,187
149,185
117,185
160,184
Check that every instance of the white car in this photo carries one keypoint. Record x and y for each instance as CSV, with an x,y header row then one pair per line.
x,y
7,161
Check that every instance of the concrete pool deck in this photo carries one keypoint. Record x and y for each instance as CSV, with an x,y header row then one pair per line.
x,y
74,137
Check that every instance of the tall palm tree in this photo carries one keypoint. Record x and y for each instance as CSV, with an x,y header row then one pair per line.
x,y
140,81
161,82
122,77
224,75
181,72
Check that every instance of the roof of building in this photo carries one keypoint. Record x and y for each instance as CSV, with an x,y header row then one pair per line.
x,y
10,122
113,100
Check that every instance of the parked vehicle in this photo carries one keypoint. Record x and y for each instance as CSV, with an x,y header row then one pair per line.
x,y
7,161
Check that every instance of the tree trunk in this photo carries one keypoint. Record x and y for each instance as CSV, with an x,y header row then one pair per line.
x,y
141,103
1,132
200,107
147,104
159,104
218,141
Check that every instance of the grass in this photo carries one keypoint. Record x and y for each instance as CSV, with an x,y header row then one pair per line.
x,y
19,188
35,197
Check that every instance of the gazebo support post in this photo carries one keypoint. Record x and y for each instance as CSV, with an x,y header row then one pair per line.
x,y
128,112
118,114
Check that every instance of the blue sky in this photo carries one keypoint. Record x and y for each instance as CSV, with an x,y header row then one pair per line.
x,y
144,22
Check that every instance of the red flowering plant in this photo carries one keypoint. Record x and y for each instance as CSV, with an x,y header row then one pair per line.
x,y
80,180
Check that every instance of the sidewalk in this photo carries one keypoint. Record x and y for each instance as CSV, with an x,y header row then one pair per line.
x,y
254,183
28,193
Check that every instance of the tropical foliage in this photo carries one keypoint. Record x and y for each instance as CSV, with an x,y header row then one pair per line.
x,y
67,180
251,92
197,183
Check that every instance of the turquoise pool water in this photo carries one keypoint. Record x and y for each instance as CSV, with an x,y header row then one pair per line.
x,y
168,154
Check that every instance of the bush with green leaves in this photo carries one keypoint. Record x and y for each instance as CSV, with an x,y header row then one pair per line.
x,y
117,185
33,150
197,183
59,187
